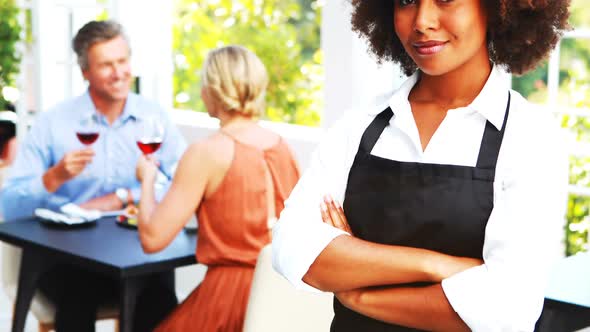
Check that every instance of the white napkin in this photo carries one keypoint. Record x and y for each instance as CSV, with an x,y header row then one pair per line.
x,y
73,210
58,217
71,214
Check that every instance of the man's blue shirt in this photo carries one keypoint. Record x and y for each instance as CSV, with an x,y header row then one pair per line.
x,y
113,166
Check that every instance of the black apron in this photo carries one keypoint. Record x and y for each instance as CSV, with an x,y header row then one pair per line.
x,y
444,208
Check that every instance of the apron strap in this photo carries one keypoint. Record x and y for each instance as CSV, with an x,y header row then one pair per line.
x,y
491,142
374,130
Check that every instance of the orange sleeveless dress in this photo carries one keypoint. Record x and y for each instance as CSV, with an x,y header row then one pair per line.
x,y
233,228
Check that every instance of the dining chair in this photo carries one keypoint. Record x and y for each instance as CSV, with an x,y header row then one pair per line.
x,y
275,305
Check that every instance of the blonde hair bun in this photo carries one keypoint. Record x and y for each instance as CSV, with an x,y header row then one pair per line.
x,y
237,79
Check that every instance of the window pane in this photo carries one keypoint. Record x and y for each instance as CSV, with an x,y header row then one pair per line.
x,y
574,73
533,85
284,34
574,98
578,223
580,14
578,128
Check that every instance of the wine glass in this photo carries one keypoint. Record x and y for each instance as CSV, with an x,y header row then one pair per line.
x,y
149,136
88,132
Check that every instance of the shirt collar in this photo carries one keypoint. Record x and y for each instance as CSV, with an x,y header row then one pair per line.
x,y
130,110
85,105
490,102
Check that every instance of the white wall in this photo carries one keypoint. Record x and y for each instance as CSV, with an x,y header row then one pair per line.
x,y
148,24
352,76
195,126
54,24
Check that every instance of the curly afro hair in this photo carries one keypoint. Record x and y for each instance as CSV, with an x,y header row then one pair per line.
x,y
521,33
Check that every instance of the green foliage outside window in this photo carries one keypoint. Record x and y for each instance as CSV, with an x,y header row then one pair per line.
x,y
575,81
10,31
284,34
574,92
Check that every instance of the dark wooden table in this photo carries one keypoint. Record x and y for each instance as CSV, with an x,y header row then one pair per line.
x,y
567,299
103,247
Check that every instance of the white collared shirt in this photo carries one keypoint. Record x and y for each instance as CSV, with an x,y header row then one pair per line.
x,y
524,229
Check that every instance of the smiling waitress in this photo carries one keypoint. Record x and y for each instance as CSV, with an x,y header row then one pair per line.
x,y
453,187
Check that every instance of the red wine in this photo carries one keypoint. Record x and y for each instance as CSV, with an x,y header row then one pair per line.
x,y
149,147
87,138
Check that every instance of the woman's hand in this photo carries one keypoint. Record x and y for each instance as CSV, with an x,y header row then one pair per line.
x,y
147,169
333,214
440,267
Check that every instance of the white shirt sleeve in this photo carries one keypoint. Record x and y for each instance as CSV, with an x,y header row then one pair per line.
x,y
300,235
522,237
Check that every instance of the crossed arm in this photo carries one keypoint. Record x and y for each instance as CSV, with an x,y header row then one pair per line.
x,y
362,265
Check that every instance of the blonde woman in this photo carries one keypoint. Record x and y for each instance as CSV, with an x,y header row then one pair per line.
x,y
236,180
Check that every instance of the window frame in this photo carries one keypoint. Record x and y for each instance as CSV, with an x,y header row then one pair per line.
x,y
576,149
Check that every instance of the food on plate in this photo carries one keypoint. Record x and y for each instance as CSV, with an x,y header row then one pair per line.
x,y
131,210
129,217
